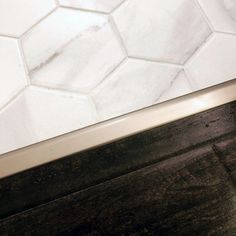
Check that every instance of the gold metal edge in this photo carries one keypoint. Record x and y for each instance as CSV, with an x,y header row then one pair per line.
x,y
117,128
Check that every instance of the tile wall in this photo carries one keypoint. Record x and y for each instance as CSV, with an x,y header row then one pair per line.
x,y
68,64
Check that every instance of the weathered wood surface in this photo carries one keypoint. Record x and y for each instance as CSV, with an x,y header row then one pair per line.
x,y
82,170
189,194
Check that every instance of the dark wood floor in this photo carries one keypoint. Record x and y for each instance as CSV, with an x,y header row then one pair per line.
x,y
179,179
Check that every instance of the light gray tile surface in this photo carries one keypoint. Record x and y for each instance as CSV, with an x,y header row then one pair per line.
x,y
67,64
221,13
38,114
17,16
161,30
134,85
214,63
12,73
78,53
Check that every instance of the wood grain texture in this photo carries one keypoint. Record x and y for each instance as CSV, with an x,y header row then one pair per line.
x,y
79,171
189,194
226,151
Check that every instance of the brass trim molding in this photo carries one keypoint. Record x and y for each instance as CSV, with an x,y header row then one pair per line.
x,y
114,129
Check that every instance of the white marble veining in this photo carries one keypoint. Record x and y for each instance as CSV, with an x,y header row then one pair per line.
x,y
67,64
135,85
221,13
38,114
12,73
75,51
94,5
161,29
179,87
17,16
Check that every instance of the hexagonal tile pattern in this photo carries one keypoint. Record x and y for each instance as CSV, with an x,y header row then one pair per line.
x,y
94,5
43,114
215,63
12,73
18,16
72,50
221,13
135,85
163,30
79,62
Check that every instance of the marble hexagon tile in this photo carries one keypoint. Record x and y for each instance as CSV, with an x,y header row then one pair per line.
x,y
179,87
94,5
17,16
221,13
12,72
81,46
38,114
215,63
162,30
72,50
134,85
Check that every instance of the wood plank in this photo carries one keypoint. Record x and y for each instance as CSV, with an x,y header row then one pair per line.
x,y
82,170
226,151
190,194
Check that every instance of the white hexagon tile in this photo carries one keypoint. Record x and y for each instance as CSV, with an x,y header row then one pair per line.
x,y
221,13
161,30
68,64
12,73
16,16
76,54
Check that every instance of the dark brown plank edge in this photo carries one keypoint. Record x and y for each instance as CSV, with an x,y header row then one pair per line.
x,y
54,180
190,194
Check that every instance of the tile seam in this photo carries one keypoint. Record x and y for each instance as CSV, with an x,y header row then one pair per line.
x,y
118,6
199,49
2,35
82,9
225,33
156,61
39,21
204,15
118,35
62,90
167,89
23,59
108,75
13,98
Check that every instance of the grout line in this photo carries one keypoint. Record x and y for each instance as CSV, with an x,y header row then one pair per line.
x,y
68,92
118,6
20,91
199,49
8,36
118,35
61,90
156,61
98,116
108,75
84,10
38,22
191,80
22,55
226,33
168,88
204,14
